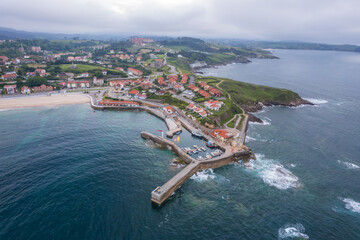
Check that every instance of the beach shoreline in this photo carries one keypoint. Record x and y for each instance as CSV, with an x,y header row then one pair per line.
x,y
42,101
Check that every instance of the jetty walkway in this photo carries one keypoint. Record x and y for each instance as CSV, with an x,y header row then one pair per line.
x,y
160,194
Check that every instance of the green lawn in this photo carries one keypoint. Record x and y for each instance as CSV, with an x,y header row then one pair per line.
x,y
81,68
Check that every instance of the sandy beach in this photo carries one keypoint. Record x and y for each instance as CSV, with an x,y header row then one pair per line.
x,y
38,101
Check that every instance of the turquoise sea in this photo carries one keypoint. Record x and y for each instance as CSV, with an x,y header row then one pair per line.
x,y
71,173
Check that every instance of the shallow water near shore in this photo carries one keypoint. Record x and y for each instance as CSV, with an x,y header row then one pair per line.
x,y
72,173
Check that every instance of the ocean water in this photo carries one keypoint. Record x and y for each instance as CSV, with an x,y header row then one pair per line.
x,y
71,173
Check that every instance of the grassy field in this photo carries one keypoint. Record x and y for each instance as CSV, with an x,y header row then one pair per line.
x,y
248,94
82,68
180,64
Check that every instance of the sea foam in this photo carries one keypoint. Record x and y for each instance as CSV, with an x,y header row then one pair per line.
x,y
273,173
351,205
349,165
317,101
292,231
204,175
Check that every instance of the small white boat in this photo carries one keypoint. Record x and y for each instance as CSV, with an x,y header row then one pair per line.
x,y
208,156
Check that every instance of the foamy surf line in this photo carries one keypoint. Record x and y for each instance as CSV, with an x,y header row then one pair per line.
x,y
351,204
273,173
316,101
349,165
296,231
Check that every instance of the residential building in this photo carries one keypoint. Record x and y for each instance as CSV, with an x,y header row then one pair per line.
x,y
35,49
25,90
213,105
98,81
3,60
8,77
43,88
204,94
161,81
104,72
133,93
10,89
222,135
78,84
168,109
135,71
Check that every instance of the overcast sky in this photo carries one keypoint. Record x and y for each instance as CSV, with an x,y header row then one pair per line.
x,y
329,21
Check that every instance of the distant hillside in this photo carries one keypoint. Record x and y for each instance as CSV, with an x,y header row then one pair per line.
x,y
289,45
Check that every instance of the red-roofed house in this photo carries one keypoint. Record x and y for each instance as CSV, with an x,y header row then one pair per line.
x,y
25,90
161,81
10,89
221,134
43,88
135,71
205,94
3,59
133,93
178,87
193,88
168,109
8,77
190,106
185,78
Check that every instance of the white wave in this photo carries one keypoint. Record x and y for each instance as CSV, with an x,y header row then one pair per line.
x,y
292,231
249,139
351,205
273,173
265,121
317,101
208,174
204,175
349,165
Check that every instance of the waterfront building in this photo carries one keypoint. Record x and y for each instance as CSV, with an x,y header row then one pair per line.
x,y
25,90
10,89
168,109
43,88
222,135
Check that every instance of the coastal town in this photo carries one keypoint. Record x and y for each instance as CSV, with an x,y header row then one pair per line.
x,y
143,80
141,74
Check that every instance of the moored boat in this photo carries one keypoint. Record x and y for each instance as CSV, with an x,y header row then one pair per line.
x,y
196,134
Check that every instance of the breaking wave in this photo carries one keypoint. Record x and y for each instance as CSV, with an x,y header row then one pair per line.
x,y
349,165
290,231
273,173
265,121
317,101
204,175
351,205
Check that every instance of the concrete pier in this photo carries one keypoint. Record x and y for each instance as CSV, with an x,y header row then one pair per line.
x,y
160,194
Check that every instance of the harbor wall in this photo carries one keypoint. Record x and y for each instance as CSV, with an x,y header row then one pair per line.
x,y
167,143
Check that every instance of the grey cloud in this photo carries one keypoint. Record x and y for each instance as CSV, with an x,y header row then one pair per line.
x,y
329,21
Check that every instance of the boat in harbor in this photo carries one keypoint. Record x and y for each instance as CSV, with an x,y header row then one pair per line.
x,y
195,146
196,134
210,144
208,156
200,158
203,149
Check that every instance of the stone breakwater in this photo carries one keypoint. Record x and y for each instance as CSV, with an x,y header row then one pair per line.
x,y
160,194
